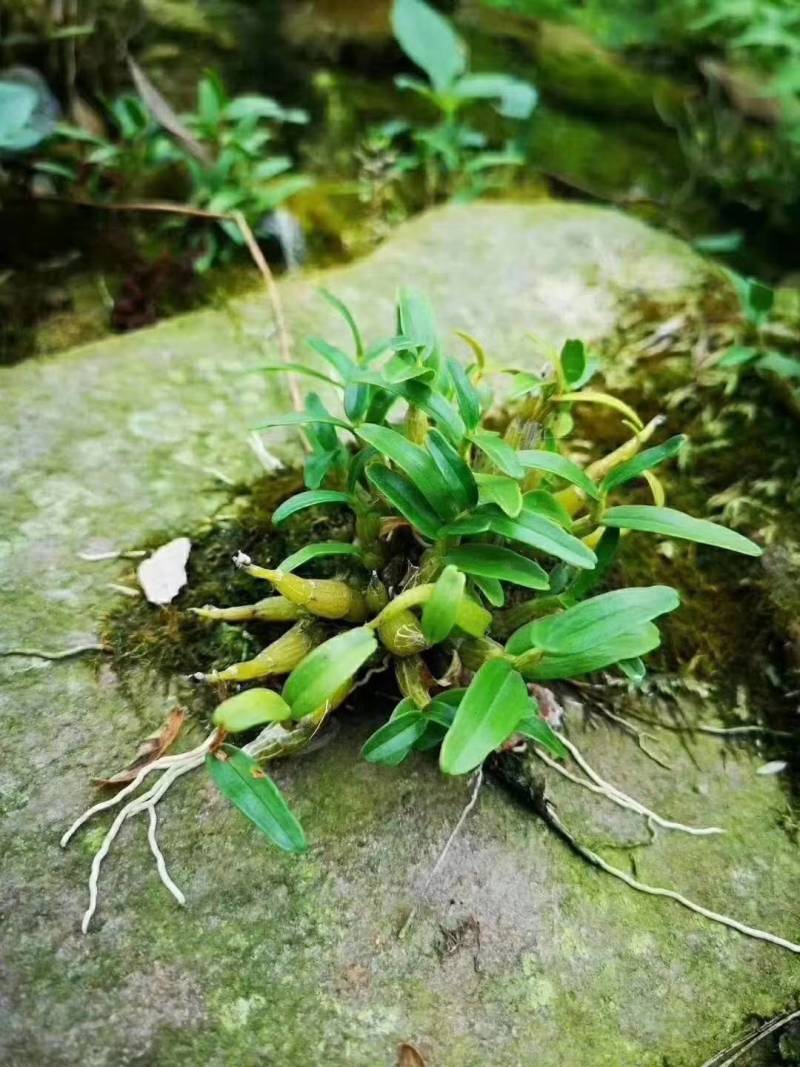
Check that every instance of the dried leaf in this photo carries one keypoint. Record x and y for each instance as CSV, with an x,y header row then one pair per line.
x,y
152,748
163,113
408,1056
163,575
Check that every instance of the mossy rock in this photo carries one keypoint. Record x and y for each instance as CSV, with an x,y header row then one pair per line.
x,y
519,952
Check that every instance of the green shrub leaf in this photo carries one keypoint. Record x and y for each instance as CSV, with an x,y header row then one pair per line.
x,y
429,41
503,564
393,741
534,727
440,612
596,621
251,708
310,499
406,498
496,700
573,361
501,490
544,535
498,451
454,470
624,646
252,791
318,550
671,523
416,463
323,672
644,461
564,468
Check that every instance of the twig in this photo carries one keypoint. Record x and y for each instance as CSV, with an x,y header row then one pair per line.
x,y
101,557
443,854
284,340
549,816
737,1050
66,653
168,207
616,795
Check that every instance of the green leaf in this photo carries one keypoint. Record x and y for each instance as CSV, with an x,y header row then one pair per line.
x,y
759,299
590,396
252,791
454,470
501,490
496,700
491,588
564,468
469,401
471,617
251,708
440,612
429,41
671,523
499,452
786,367
541,502
738,356
633,669
402,495
515,98
416,321
466,526
416,463
317,550
292,368
393,741
606,551
357,396
493,561
546,536
326,669
623,647
437,408
346,314
339,360
644,461
596,621
534,727
312,498
573,361
302,418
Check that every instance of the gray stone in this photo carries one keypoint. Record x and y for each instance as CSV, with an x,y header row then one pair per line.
x,y
294,961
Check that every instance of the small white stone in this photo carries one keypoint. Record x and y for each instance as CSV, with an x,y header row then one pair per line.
x,y
163,575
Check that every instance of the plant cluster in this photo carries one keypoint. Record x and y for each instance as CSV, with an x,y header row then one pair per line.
x,y
479,547
226,161
453,156
753,349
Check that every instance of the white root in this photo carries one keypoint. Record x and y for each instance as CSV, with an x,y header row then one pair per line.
x,y
658,891
623,800
174,767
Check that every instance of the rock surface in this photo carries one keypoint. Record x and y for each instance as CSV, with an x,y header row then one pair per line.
x,y
520,953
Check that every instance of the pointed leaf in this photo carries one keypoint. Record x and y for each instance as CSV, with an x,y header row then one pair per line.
x,y
318,550
501,490
493,561
588,396
553,463
454,470
546,536
416,463
402,494
310,499
534,727
499,452
469,401
622,647
595,621
491,588
251,708
573,361
346,314
440,612
252,791
644,461
496,700
395,739
671,523
326,669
